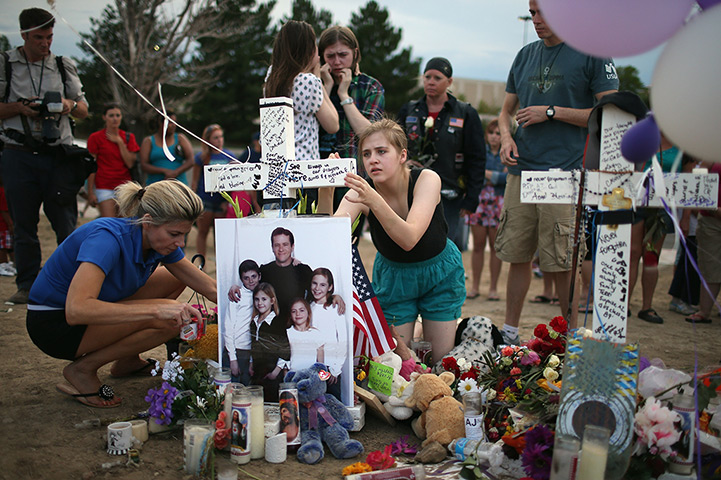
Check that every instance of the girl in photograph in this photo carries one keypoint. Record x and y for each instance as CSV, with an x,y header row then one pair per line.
x,y
333,325
417,271
269,341
306,341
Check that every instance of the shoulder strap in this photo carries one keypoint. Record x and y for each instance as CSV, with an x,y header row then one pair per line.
x,y
63,73
127,137
8,75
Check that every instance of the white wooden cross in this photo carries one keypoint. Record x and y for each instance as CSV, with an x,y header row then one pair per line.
x,y
278,174
689,190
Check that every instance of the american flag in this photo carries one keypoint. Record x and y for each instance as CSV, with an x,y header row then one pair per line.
x,y
371,335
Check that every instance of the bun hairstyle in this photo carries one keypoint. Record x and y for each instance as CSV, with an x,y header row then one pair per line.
x,y
167,201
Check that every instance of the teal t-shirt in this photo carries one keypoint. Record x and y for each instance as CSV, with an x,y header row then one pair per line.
x,y
157,157
562,77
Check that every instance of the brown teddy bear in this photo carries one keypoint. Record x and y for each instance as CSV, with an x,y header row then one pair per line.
x,y
441,419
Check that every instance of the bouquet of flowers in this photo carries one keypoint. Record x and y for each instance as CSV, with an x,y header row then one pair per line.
x,y
184,393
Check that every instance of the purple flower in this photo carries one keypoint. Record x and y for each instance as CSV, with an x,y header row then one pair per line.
x,y
161,403
530,358
538,453
401,446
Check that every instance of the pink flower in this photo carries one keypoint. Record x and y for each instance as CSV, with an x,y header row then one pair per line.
x,y
515,371
507,351
530,358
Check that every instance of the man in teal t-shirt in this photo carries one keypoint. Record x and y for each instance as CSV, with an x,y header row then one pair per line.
x,y
550,91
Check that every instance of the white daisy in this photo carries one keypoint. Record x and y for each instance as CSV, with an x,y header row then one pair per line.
x,y
467,385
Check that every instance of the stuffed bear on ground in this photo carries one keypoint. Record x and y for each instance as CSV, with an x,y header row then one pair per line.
x,y
442,417
330,417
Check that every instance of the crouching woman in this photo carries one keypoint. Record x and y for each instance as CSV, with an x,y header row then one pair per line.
x,y
108,292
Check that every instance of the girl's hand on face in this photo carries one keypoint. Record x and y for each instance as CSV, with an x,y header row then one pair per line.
x,y
334,155
345,77
326,76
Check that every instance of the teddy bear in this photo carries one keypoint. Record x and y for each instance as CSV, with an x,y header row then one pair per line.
x,y
323,418
474,336
396,403
441,419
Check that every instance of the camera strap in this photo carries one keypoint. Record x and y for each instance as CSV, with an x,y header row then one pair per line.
x,y
9,74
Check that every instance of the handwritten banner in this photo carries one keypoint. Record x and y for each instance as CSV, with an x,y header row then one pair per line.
x,y
255,176
689,190
610,287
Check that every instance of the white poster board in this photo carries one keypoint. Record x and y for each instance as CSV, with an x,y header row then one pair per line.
x,y
318,242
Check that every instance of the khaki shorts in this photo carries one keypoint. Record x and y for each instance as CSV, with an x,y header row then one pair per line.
x,y
708,239
527,227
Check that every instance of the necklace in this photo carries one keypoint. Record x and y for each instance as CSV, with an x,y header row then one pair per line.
x,y
32,82
543,83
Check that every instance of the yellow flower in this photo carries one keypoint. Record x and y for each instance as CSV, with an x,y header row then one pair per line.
x,y
550,374
207,345
361,375
358,467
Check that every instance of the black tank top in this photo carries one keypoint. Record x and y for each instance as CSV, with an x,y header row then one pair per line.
x,y
431,243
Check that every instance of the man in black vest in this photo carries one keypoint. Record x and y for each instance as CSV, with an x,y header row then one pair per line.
x,y
32,123
446,135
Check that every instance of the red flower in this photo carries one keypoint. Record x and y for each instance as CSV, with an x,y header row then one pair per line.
x,y
381,460
515,371
450,364
560,325
507,351
541,331
222,438
471,373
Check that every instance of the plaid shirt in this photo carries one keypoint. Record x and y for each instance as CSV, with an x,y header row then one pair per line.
x,y
368,94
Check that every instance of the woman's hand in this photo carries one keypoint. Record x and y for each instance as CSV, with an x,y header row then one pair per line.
x,y
179,313
360,191
113,137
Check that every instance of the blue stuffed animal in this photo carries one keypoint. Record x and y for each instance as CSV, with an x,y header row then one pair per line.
x,y
323,418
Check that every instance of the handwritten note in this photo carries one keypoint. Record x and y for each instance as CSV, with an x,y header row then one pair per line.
x,y
614,124
380,377
611,283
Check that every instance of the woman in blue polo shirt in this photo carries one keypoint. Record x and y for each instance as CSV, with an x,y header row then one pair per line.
x,y
101,297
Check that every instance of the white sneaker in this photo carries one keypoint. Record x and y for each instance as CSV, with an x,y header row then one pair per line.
x,y
6,272
10,267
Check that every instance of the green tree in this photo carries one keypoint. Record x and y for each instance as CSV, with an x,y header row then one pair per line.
x,y
380,57
303,10
232,100
151,43
629,80
4,43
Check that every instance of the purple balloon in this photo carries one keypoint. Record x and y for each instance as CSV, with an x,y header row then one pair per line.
x,y
641,141
706,4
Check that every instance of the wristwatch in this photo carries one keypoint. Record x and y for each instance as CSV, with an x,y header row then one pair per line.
x,y
75,105
347,101
551,112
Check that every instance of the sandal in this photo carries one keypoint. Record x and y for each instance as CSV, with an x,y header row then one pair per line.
x,y
105,392
649,315
697,318
541,299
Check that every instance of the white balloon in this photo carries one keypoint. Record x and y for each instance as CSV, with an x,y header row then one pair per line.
x,y
685,94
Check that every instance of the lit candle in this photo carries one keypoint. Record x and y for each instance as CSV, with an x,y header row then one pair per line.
x,y
594,453
257,422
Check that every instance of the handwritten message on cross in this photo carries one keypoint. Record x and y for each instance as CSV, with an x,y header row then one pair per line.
x,y
279,173
608,190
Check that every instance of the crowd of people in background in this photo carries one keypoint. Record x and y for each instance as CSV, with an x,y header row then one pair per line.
x,y
424,179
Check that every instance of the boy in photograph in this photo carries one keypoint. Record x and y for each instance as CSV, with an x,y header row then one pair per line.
x,y
237,329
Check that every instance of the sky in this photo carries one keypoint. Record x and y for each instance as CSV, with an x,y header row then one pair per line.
x,y
479,37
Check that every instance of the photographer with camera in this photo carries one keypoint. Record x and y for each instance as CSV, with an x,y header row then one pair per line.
x,y
40,91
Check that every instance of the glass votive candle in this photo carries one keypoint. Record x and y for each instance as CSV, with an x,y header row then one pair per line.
x,y
221,379
565,457
198,443
240,434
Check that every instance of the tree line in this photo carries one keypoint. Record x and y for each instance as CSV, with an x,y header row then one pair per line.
x,y
211,57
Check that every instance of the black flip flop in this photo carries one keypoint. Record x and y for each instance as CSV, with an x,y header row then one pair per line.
x,y
541,299
105,392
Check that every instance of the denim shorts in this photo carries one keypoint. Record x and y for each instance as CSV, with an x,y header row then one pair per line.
x,y
435,288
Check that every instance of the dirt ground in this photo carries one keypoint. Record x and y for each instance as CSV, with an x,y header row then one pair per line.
x,y
40,439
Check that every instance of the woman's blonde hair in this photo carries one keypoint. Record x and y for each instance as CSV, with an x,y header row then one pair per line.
x,y
167,201
390,129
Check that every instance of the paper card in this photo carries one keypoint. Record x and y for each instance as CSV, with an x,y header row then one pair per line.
x,y
380,377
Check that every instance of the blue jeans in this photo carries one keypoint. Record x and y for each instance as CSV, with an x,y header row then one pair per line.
x,y
457,231
28,180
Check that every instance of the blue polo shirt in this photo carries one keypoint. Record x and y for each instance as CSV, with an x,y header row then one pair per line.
x,y
113,244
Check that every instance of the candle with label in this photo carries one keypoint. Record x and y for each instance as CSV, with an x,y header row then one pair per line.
x,y
240,424
257,422
197,443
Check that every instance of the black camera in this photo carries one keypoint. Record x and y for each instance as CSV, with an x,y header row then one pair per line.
x,y
49,110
